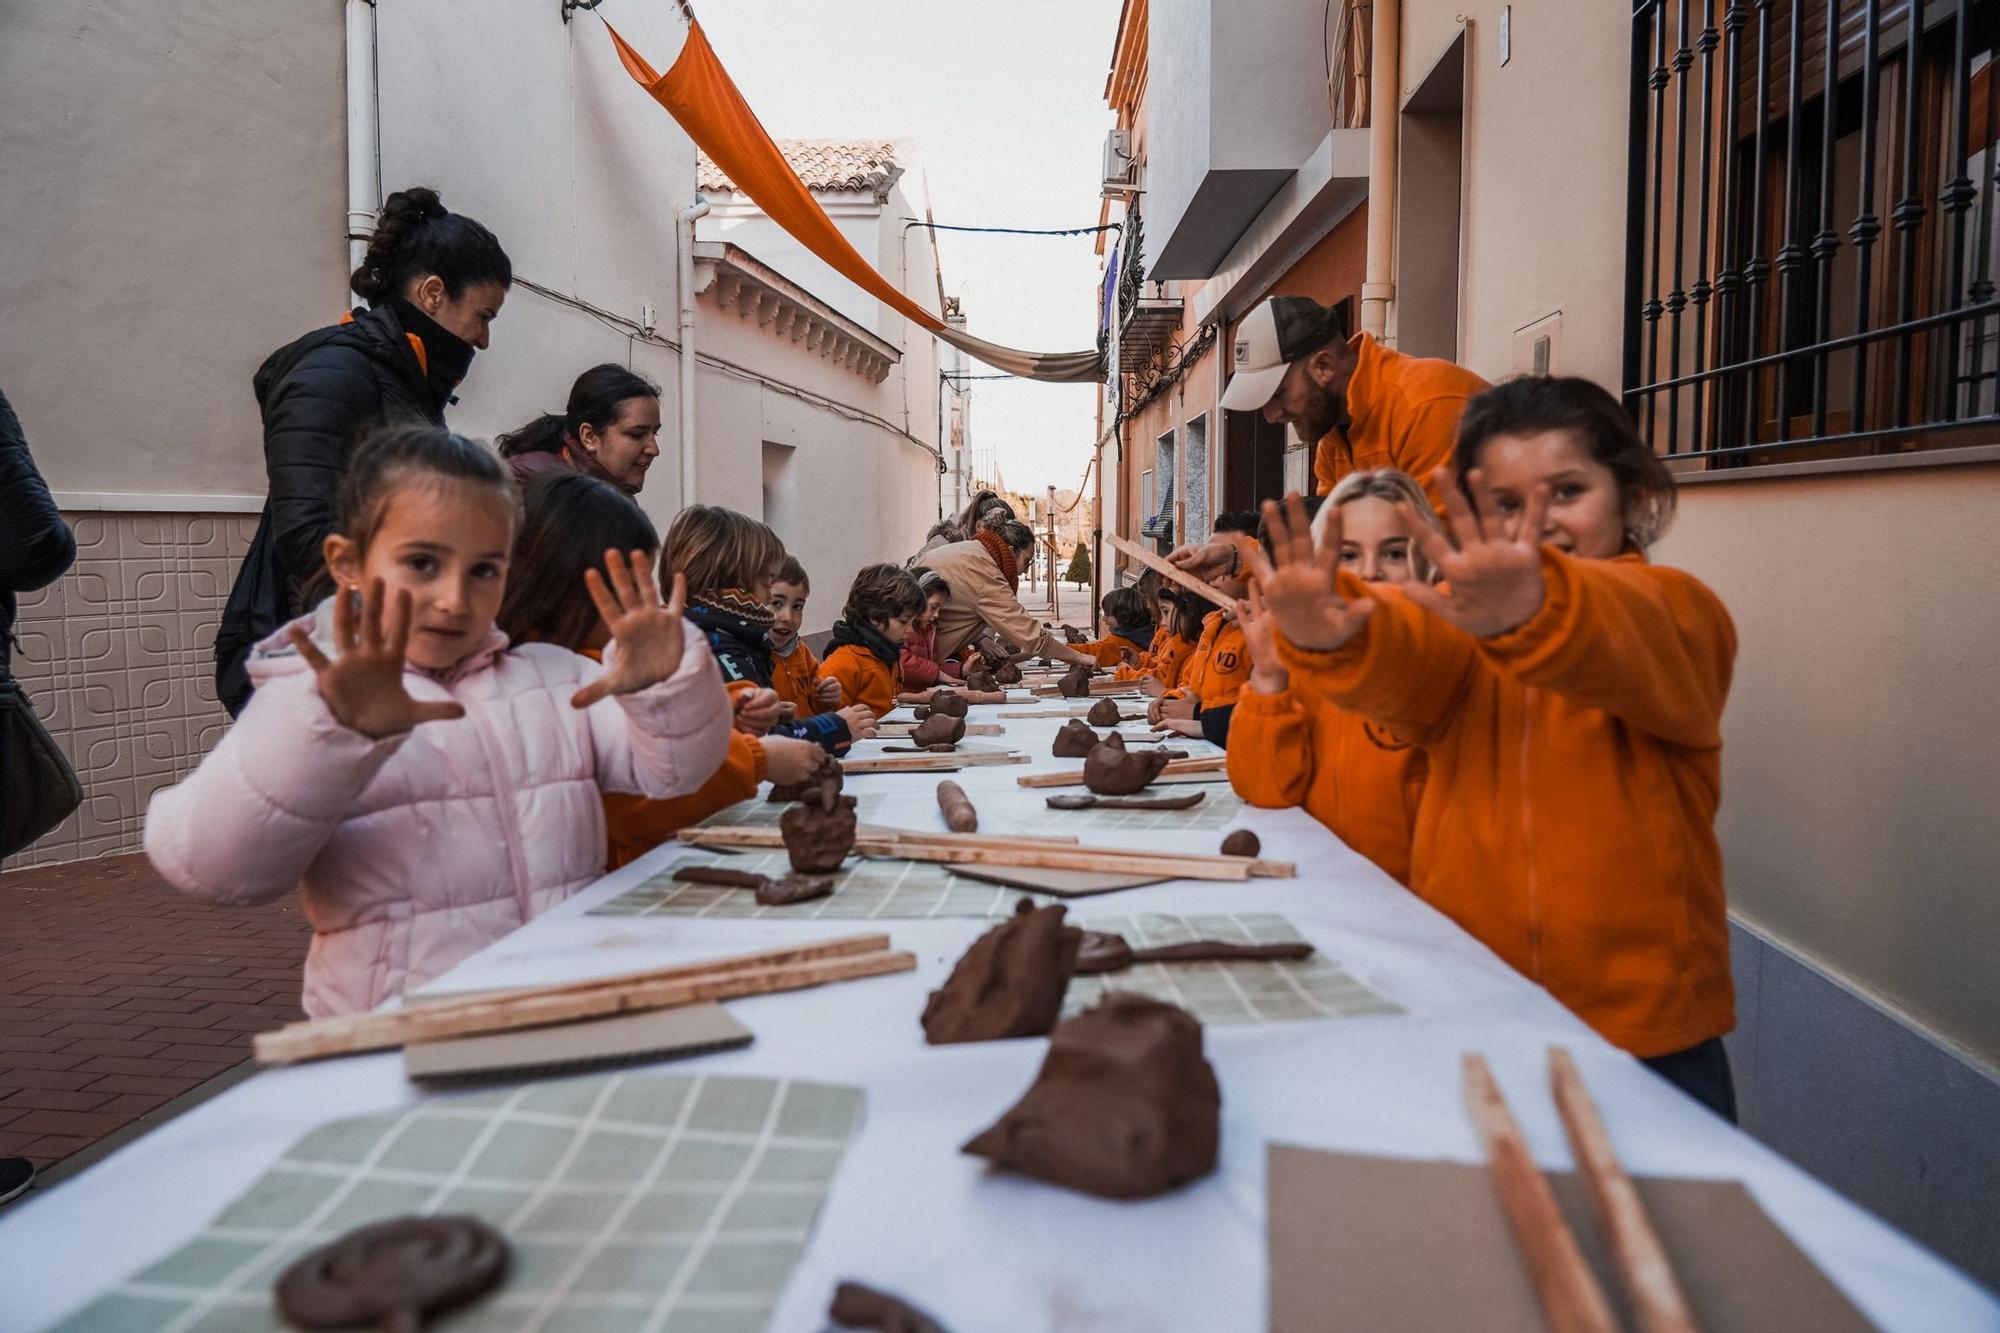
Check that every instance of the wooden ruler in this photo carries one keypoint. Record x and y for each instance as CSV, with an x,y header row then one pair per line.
x,y
1166,569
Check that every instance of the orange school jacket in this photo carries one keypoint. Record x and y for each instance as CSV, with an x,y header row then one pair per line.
x,y
1402,412
1171,662
793,676
1568,820
864,678
1144,667
1109,651
1219,666
634,825
1356,777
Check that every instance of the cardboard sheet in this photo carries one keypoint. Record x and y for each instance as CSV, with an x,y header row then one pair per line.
x,y
1398,1246
567,1048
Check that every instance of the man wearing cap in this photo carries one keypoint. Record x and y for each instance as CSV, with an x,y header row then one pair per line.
x,y
1363,405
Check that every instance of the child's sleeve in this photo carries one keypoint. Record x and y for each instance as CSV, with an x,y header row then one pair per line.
x,y
666,739
1406,668
248,822
1215,723
1270,748
1653,647
634,825
841,666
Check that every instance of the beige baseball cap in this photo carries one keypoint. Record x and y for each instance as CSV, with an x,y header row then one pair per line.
x,y
1274,334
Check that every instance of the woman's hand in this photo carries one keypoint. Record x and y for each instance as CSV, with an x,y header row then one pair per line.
x,y
789,760
1207,561
1267,672
1300,579
826,692
648,634
757,711
1494,577
363,688
860,720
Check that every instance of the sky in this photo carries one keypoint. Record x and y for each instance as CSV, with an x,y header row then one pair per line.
x,y
1003,101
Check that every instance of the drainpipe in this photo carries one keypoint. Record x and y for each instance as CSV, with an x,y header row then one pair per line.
x,y
1378,287
364,147
684,220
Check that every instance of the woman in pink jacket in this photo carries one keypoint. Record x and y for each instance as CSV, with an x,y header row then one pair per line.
x,y
430,788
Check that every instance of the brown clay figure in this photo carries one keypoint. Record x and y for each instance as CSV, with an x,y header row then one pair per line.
x,y
1007,673
1103,713
949,702
793,888
1080,801
981,681
826,775
1241,842
1010,983
1125,1105
721,876
819,831
1075,740
939,729
856,1306
1112,770
393,1274
959,816
1075,684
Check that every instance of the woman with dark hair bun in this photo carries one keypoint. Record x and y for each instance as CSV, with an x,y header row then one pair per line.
x,y
610,430
434,282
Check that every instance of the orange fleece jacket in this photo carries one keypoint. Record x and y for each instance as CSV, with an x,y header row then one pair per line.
x,y
1219,667
1109,651
1402,412
1355,776
864,678
634,825
793,676
1144,667
1171,663
1575,768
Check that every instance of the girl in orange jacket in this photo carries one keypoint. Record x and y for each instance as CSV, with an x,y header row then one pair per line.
x,y
1291,746
1568,696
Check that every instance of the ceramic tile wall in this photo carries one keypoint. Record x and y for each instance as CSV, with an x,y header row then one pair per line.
x,y
118,656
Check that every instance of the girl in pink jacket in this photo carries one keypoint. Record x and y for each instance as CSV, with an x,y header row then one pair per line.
x,y
430,788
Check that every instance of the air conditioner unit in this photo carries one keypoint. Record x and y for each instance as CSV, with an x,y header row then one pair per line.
x,y
1121,169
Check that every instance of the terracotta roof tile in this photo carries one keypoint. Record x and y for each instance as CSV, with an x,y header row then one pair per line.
x,y
824,164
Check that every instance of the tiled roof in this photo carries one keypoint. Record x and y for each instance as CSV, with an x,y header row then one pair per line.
x,y
824,164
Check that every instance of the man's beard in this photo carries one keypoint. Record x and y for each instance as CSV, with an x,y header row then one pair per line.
x,y
1324,412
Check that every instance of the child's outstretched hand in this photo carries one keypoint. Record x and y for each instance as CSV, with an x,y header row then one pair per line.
x,y
363,688
648,633
1494,575
1299,579
1267,672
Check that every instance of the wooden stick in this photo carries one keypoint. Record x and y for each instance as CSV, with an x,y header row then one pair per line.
x,y
917,846
1166,569
954,849
1098,688
1568,1290
715,979
885,730
1073,777
1635,1247
928,763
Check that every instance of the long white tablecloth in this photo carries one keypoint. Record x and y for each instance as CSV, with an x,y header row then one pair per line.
x,y
910,1213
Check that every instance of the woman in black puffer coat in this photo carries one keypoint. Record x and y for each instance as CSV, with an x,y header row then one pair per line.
x,y
434,281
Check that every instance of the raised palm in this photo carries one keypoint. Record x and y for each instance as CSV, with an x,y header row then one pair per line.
x,y
1299,580
363,686
648,633
1493,575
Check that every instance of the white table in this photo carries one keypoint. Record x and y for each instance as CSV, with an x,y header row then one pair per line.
x,y
911,1214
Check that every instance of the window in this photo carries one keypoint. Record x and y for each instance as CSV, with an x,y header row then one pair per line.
x,y
780,503
1811,259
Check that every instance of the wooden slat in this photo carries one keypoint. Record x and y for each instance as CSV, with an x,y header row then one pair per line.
x,y
928,763
1570,1296
1166,569
1073,777
899,730
715,979
1643,1266
973,849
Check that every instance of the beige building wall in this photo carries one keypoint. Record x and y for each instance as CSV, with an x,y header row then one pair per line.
x,y
141,283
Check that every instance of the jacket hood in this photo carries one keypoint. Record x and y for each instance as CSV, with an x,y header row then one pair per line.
x,y
867,638
275,656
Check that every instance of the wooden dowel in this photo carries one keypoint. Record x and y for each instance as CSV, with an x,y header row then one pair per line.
x,y
884,730
916,846
928,763
732,836
1166,569
1073,777
503,1012
1643,1266
1571,1299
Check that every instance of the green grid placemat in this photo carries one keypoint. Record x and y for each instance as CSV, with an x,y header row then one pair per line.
x,y
668,1202
863,889
1239,992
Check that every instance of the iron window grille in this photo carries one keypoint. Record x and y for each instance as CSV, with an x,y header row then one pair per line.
x,y
1810,274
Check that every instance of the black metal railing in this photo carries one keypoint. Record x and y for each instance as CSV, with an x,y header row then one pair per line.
x,y
1811,245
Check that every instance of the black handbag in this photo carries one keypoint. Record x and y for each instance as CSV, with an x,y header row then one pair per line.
x,y
38,788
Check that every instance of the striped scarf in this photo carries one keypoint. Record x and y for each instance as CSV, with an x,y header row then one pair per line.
x,y
736,602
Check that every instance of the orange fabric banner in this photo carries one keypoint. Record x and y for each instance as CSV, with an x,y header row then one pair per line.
x,y
698,92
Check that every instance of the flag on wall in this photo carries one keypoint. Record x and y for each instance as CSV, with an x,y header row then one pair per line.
x,y
699,93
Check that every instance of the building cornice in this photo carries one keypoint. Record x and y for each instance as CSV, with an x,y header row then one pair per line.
x,y
734,280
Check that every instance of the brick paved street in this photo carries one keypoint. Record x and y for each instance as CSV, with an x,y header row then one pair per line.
x,y
118,994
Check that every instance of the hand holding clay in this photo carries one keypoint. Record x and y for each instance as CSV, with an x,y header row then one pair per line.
x,y
1010,983
1125,1105
788,760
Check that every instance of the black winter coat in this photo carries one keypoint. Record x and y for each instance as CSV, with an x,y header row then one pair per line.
x,y
35,544
315,396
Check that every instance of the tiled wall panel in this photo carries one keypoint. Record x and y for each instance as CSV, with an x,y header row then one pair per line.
x,y
118,657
